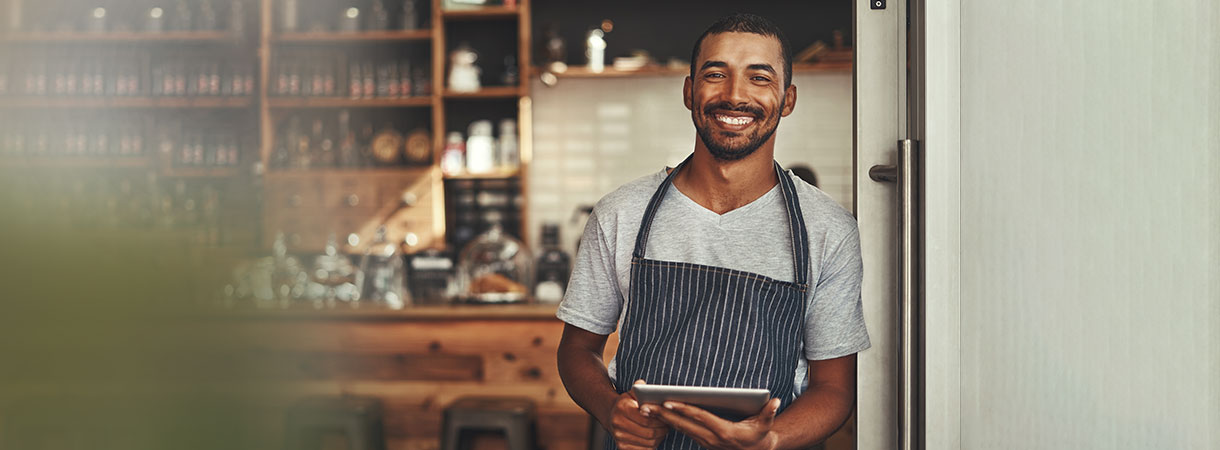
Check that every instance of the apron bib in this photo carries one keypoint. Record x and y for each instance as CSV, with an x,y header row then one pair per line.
x,y
696,325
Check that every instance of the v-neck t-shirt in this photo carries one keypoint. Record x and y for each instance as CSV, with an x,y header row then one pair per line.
x,y
752,238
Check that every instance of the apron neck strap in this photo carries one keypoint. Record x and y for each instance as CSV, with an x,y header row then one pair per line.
x,y
796,221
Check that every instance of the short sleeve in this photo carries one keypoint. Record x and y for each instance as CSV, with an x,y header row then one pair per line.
x,y
593,300
834,322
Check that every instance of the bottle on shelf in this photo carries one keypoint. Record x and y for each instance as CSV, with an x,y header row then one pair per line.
x,y
289,15
322,144
207,16
553,268
349,154
355,88
379,17
15,15
237,17
480,148
453,157
182,20
511,72
154,21
404,78
409,20
509,157
349,19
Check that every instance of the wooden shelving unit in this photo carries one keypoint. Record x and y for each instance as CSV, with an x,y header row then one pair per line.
x,y
261,45
201,172
485,176
403,171
838,61
363,37
110,37
341,102
126,102
74,162
487,92
485,13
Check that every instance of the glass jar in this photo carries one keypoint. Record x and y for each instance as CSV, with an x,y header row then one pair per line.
x,y
495,267
383,274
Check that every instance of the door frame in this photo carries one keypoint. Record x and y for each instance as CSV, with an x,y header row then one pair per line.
x,y
924,69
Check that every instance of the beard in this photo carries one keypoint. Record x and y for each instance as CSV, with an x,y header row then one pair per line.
x,y
719,142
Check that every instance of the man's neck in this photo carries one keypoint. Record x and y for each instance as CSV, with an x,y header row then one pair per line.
x,y
722,186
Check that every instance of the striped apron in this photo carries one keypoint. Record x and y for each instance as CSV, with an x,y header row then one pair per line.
x,y
696,325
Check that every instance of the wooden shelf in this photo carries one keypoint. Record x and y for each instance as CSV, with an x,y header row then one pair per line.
x,y
343,102
485,176
660,71
201,37
481,13
201,172
126,102
66,162
405,171
363,37
487,92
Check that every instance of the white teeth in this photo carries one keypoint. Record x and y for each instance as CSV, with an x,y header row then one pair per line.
x,y
735,120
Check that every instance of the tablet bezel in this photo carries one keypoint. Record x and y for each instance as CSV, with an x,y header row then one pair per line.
x,y
736,401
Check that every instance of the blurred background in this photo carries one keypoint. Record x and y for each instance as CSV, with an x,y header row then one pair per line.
x,y
335,223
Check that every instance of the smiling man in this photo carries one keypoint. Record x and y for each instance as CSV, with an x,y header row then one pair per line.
x,y
725,271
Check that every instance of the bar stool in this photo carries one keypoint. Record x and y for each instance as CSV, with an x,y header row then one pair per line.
x,y
358,418
515,417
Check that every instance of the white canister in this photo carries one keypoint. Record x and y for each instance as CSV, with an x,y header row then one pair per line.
x,y
480,148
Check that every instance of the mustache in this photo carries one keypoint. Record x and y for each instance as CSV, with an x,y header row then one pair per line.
x,y
726,106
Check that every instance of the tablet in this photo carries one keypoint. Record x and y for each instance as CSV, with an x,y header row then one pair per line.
x,y
737,401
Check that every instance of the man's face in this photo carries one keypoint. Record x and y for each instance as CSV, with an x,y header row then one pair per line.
x,y
737,94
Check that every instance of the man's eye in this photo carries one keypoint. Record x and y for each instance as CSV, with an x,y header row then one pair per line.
x,y
715,75
762,78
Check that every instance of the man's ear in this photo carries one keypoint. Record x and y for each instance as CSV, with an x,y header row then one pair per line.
x,y
789,100
686,93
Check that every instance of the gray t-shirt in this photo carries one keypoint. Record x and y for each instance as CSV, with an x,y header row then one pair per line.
x,y
753,238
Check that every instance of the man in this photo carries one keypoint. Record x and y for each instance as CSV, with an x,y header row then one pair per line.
x,y
740,275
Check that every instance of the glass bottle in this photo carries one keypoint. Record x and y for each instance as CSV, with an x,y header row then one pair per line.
x,y
335,274
289,16
509,155
379,19
453,157
554,267
410,15
383,274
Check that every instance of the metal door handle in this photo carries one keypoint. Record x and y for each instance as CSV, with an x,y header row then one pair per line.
x,y
910,349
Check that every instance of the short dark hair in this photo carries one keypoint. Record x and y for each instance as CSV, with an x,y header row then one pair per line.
x,y
747,23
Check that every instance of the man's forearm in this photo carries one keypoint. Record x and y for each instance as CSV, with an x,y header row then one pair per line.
x,y
585,377
813,417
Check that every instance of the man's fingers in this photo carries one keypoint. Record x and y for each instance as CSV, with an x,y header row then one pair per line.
x,y
625,437
685,424
767,415
696,414
626,446
630,410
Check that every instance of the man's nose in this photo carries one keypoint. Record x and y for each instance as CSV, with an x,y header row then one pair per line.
x,y
737,91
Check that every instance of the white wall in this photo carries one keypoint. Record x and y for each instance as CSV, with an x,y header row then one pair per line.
x,y
592,135
1090,224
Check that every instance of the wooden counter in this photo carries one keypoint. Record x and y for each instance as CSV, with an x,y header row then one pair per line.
x,y
410,313
417,360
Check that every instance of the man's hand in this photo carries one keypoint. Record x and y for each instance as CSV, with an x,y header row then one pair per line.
x,y
630,428
710,431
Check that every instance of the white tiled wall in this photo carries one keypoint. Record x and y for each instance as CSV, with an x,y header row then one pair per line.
x,y
592,135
